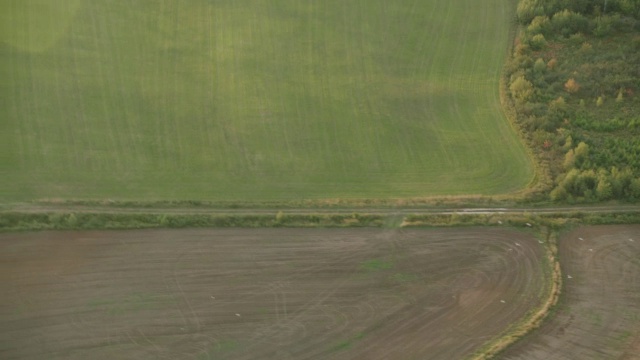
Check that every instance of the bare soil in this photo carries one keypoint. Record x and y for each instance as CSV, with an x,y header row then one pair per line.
x,y
264,293
598,316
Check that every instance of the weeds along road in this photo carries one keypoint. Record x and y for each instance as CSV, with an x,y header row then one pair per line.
x,y
111,209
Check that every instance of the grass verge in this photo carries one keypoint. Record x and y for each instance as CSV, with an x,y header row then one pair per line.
x,y
78,220
16,221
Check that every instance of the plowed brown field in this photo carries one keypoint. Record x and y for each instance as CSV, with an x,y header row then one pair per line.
x,y
599,313
264,294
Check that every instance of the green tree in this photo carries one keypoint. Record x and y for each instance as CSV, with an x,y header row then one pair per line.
x,y
539,25
586,183
604,190
630,7
559,193
569,160
634,189
569,182
538,42
521,89
528,9
581,153
568,143
567,22
539,66
620,181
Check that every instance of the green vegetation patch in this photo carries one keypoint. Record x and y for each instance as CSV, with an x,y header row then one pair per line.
x,y
347,344
133,303
574,81
255,100
376,265
17,221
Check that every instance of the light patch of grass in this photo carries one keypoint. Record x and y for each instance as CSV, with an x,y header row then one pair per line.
x,y
376,265
403,277
220,348
342,345
347,344
132,303
35,25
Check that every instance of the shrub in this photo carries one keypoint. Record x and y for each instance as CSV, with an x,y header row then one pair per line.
x,y
567,22
569,160
603,190
539,66
581,153
529,9
577,38
521,89
538,42
539,25
586,48
572,86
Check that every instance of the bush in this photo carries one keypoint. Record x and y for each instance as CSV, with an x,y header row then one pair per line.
x,y
539,66
529,9
572,86
567,22
586,49
521,89
538,42
539,25
577,39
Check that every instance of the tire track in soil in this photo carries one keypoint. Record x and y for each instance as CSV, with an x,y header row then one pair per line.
x,y
598,315
222,293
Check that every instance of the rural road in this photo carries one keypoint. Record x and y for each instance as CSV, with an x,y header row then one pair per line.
x,y
46,208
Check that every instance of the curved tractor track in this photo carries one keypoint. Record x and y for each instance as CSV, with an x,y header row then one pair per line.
x,y
267,293
598,316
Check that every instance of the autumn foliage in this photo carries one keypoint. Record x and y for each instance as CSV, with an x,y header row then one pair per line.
x,y
572,86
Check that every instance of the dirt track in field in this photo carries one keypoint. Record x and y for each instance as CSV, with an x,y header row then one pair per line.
x,y
267,293
599,313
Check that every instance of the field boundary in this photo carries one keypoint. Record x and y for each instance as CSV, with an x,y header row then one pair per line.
x,y
79,218
541,183
337,203
536,319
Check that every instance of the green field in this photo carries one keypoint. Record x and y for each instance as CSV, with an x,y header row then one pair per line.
x,y
255,99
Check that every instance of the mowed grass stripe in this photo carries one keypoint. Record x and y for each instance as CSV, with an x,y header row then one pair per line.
x,y
259,100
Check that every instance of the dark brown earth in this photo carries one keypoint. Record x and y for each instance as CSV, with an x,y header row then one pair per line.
x,y
599,312
264,294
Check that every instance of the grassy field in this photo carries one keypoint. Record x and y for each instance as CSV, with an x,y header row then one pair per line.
x,y
266,100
